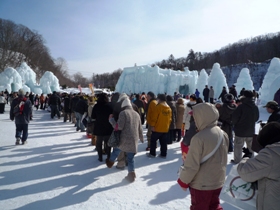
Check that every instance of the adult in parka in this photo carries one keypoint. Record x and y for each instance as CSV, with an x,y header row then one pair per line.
x,y
205,179
265,168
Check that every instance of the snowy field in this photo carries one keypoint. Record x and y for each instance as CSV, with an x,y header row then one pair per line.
x,y
58,169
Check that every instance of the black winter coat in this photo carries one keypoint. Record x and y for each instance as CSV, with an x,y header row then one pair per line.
x,y
226,112
245,117
73,103
275,116
100,115
67,105
81,106
55,100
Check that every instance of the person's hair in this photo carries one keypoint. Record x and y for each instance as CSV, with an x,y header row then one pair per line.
x,y
151,94
199,100
137,96
269,134
169,98
102,98
161,97
193,96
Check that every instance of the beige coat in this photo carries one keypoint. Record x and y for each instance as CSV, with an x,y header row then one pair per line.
x,y
209,175
265,168
180,107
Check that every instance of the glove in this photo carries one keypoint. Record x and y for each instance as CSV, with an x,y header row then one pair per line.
x,y
183,185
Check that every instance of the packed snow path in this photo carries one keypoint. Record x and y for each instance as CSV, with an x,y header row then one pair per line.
x,y
58,169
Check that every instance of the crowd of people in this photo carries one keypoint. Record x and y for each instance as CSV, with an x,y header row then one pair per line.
x,y
207,129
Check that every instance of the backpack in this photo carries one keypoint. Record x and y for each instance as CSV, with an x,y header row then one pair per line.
x,y
18,109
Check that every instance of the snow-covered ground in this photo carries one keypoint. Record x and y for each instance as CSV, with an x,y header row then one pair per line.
x,y
58,169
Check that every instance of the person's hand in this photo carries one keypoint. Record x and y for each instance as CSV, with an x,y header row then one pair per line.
x,y
110,116
185,189
153,129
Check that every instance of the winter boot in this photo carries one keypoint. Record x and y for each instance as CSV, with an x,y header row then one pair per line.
x,y
17,141
131,176
109,163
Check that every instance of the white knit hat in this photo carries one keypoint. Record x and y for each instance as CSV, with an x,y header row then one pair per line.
x,y
21,92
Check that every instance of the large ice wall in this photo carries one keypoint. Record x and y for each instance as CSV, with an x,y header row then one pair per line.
x,y
271,82
10,80
202,81
27,74
217,79
49,82
244,81
145,78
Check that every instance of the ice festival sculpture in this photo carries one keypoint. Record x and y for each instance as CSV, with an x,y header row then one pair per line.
x,y
202,81
271,82
244,81
217,79
145,78
24,77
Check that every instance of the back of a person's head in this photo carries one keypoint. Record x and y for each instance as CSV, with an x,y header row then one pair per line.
x,y
169,98
161,97
102,98
137,96
199,100
269,134
151,94
193,97
248,94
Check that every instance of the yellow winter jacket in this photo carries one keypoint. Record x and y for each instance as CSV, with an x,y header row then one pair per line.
x,y
161,118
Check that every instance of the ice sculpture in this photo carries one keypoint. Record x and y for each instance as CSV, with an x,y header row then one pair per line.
x,y
244,81
202,81
49,82
217,79
10,80
271,82
145,78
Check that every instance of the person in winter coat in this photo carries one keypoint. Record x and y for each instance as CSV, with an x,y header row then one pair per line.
x,y
205,180
205,93
180,108
197,93
244,119
22,118
129,123
277,96
36,102
80,110
55,103
171,133
2,103
226,110
211,94
42,101
151,107
102,128
160,121
66,109
233,91
90,126
141,108
223,93
73,102
265,168
273,108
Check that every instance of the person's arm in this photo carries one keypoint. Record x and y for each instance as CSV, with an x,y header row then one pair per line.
x,y
251,170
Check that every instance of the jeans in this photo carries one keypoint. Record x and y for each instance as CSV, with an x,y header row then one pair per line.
x,y
162,137
129,157
238,145
22,129
79,123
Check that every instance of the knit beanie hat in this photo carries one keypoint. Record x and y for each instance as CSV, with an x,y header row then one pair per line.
x,y
21,92
269,134
228,98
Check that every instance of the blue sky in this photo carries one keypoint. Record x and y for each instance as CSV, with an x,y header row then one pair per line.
x,y
97,36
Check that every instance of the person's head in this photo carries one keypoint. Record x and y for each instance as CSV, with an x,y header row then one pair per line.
x,y
115,97
248,94
91,99
21,92
205,114
102,98
192,97
269,134
169,98
271,106
206,86
54,92
161,98
228,98
199,100
137,96
180,101
150,95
